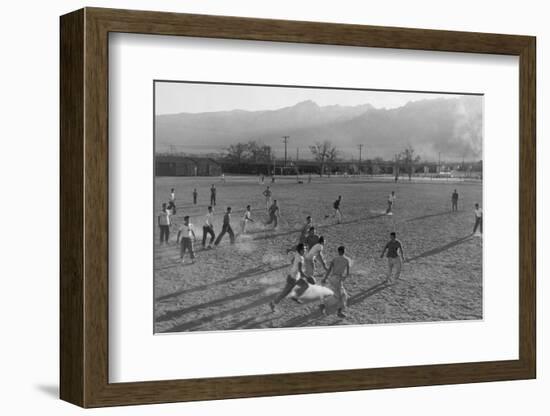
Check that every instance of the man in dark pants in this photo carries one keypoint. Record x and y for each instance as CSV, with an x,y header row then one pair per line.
x,y
213,195
187,234
295,277
164,224
454,201
208,228
226,228
479,219
395,257
195,194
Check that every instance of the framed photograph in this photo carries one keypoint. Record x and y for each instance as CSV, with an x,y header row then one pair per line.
x,y
255,207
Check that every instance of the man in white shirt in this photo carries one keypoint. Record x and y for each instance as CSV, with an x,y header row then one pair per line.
x,y
391,202
164,222
295,277
186,232
478,213
340,269
208,228
313,253
247,217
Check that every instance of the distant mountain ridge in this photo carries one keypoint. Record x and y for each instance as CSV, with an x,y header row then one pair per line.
x,y
452,126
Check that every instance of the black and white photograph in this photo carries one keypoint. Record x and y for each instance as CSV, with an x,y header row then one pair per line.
x,y
282,206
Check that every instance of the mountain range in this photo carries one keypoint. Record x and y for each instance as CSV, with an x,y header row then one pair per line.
x,y
450,126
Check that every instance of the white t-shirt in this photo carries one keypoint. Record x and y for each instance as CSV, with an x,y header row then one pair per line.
x,y
314,251
208,219
391,198
186,230
164,217
478,212
172,196
246,216
295,267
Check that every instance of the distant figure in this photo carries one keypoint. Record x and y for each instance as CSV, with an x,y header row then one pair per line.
x,y
208,228
339,267
186,232
263,178
478,213
226,228
336,206
311,238
195,194
296,277
164,222
213,195
273,214
391,202
309,178
247,217
454,201
223,177
267,194
273,178
395,257
172,201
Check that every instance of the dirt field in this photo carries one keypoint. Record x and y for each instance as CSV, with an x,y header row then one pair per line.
x,y
230,287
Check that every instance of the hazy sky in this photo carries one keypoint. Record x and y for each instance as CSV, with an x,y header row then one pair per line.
x,y
178,97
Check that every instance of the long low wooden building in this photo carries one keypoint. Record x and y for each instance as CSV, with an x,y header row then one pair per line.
x,y
172,165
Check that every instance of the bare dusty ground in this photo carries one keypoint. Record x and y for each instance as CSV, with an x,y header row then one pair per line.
x,y
230,287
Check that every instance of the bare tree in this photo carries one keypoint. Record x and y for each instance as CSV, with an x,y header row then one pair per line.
x,y
237,152
408,158
324,153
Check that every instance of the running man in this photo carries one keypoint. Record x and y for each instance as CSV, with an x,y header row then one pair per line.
x,y
340,269
274,214
247,217
173,195
208,228
478,213
195,194
186,231
164,222
213,195
391,203
454,201
395,257
295,277
337,213
226,228
267,194
315,252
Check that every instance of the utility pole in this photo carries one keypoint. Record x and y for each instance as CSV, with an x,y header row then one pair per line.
x,y
360,146
439,163
285,141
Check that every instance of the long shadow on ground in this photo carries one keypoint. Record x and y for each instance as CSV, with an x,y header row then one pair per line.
x,y
315,315
430,216
438,250
247,273
193,325
216,302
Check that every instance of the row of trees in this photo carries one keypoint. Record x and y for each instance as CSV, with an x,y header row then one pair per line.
x,y
324,153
